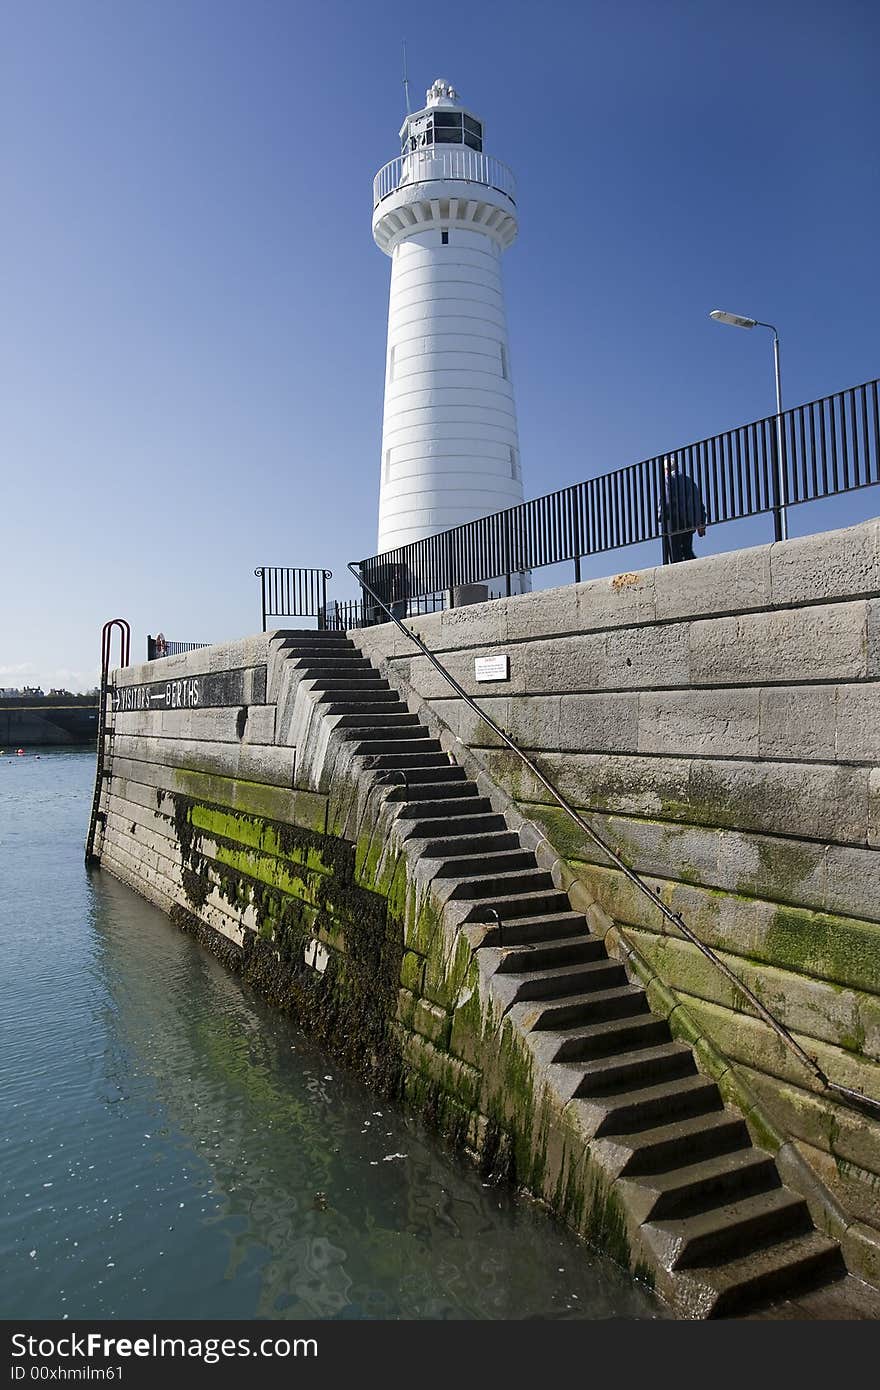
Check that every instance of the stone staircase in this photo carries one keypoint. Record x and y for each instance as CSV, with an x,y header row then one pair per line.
x,y
725,1234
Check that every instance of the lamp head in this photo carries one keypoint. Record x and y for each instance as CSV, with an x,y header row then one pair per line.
x,y
738,321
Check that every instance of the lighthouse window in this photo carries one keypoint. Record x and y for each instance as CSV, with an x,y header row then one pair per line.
x,y
473,133
447,128
443,128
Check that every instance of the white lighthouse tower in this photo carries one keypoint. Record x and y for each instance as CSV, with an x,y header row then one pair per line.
x,y
444,212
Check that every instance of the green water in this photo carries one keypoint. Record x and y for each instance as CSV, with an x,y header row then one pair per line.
x,y
173,1149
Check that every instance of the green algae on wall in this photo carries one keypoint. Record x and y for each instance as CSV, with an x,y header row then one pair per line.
x,y
301,887
839,949
399,1000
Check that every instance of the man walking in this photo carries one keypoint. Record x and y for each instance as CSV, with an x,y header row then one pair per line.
x,y
681,512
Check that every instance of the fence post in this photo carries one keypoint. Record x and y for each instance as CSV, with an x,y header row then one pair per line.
x,y
777,450
505,531
575,519
450,575
261,575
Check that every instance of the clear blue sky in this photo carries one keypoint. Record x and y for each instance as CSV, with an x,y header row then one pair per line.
x,y
193,310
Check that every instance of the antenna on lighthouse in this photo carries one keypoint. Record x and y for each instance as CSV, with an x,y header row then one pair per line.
x,y
405,79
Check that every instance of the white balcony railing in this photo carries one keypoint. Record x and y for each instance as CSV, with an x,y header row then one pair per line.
x,y
427,166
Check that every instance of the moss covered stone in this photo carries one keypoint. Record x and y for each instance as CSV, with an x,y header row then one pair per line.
x,y
817,943
305,887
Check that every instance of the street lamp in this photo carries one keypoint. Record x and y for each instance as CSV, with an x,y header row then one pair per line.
x,y
739,321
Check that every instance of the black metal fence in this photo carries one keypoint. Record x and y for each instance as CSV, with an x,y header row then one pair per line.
x,y
352,613
293,593
159,646
817,450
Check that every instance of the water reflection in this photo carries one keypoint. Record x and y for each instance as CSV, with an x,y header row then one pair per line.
x,y
178,1150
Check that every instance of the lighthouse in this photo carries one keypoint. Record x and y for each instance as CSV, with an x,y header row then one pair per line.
x,y
444,211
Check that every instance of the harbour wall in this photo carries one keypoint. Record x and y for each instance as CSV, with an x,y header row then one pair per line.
x,y
56,720
718,723
230,804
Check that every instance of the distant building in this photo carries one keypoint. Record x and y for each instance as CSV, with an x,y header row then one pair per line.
x,y
11,692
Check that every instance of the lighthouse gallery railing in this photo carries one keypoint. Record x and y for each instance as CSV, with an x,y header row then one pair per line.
x,y
829,446
431,165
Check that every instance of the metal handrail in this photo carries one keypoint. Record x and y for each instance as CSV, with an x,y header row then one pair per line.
x,y
849,1096
430,165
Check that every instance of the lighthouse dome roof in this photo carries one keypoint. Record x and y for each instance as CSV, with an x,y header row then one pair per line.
x,y
441,93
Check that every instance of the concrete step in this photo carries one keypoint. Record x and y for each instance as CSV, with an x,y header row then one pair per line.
x,y
593,1007
327,667
390,733
378,707
385,719
519,881
341,664
407,741
443,775
478,865
355,696
381,762
670,1146
461,804
317,634
786,1267
426,790
709,1237
612,1037
549,954
646,1066
334,686
298,654
443,847
627,1109
515,907
466,825
535,932
566,980
315,641
710,1182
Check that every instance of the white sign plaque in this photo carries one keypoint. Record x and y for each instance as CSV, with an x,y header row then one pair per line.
x,y
492,668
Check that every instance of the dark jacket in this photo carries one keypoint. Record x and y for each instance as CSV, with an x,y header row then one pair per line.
x,y
681,506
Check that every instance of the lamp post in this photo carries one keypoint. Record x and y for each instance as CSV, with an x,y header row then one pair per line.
x,y
740,321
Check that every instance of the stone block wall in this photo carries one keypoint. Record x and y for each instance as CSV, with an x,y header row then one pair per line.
x,y
719,723
308,892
